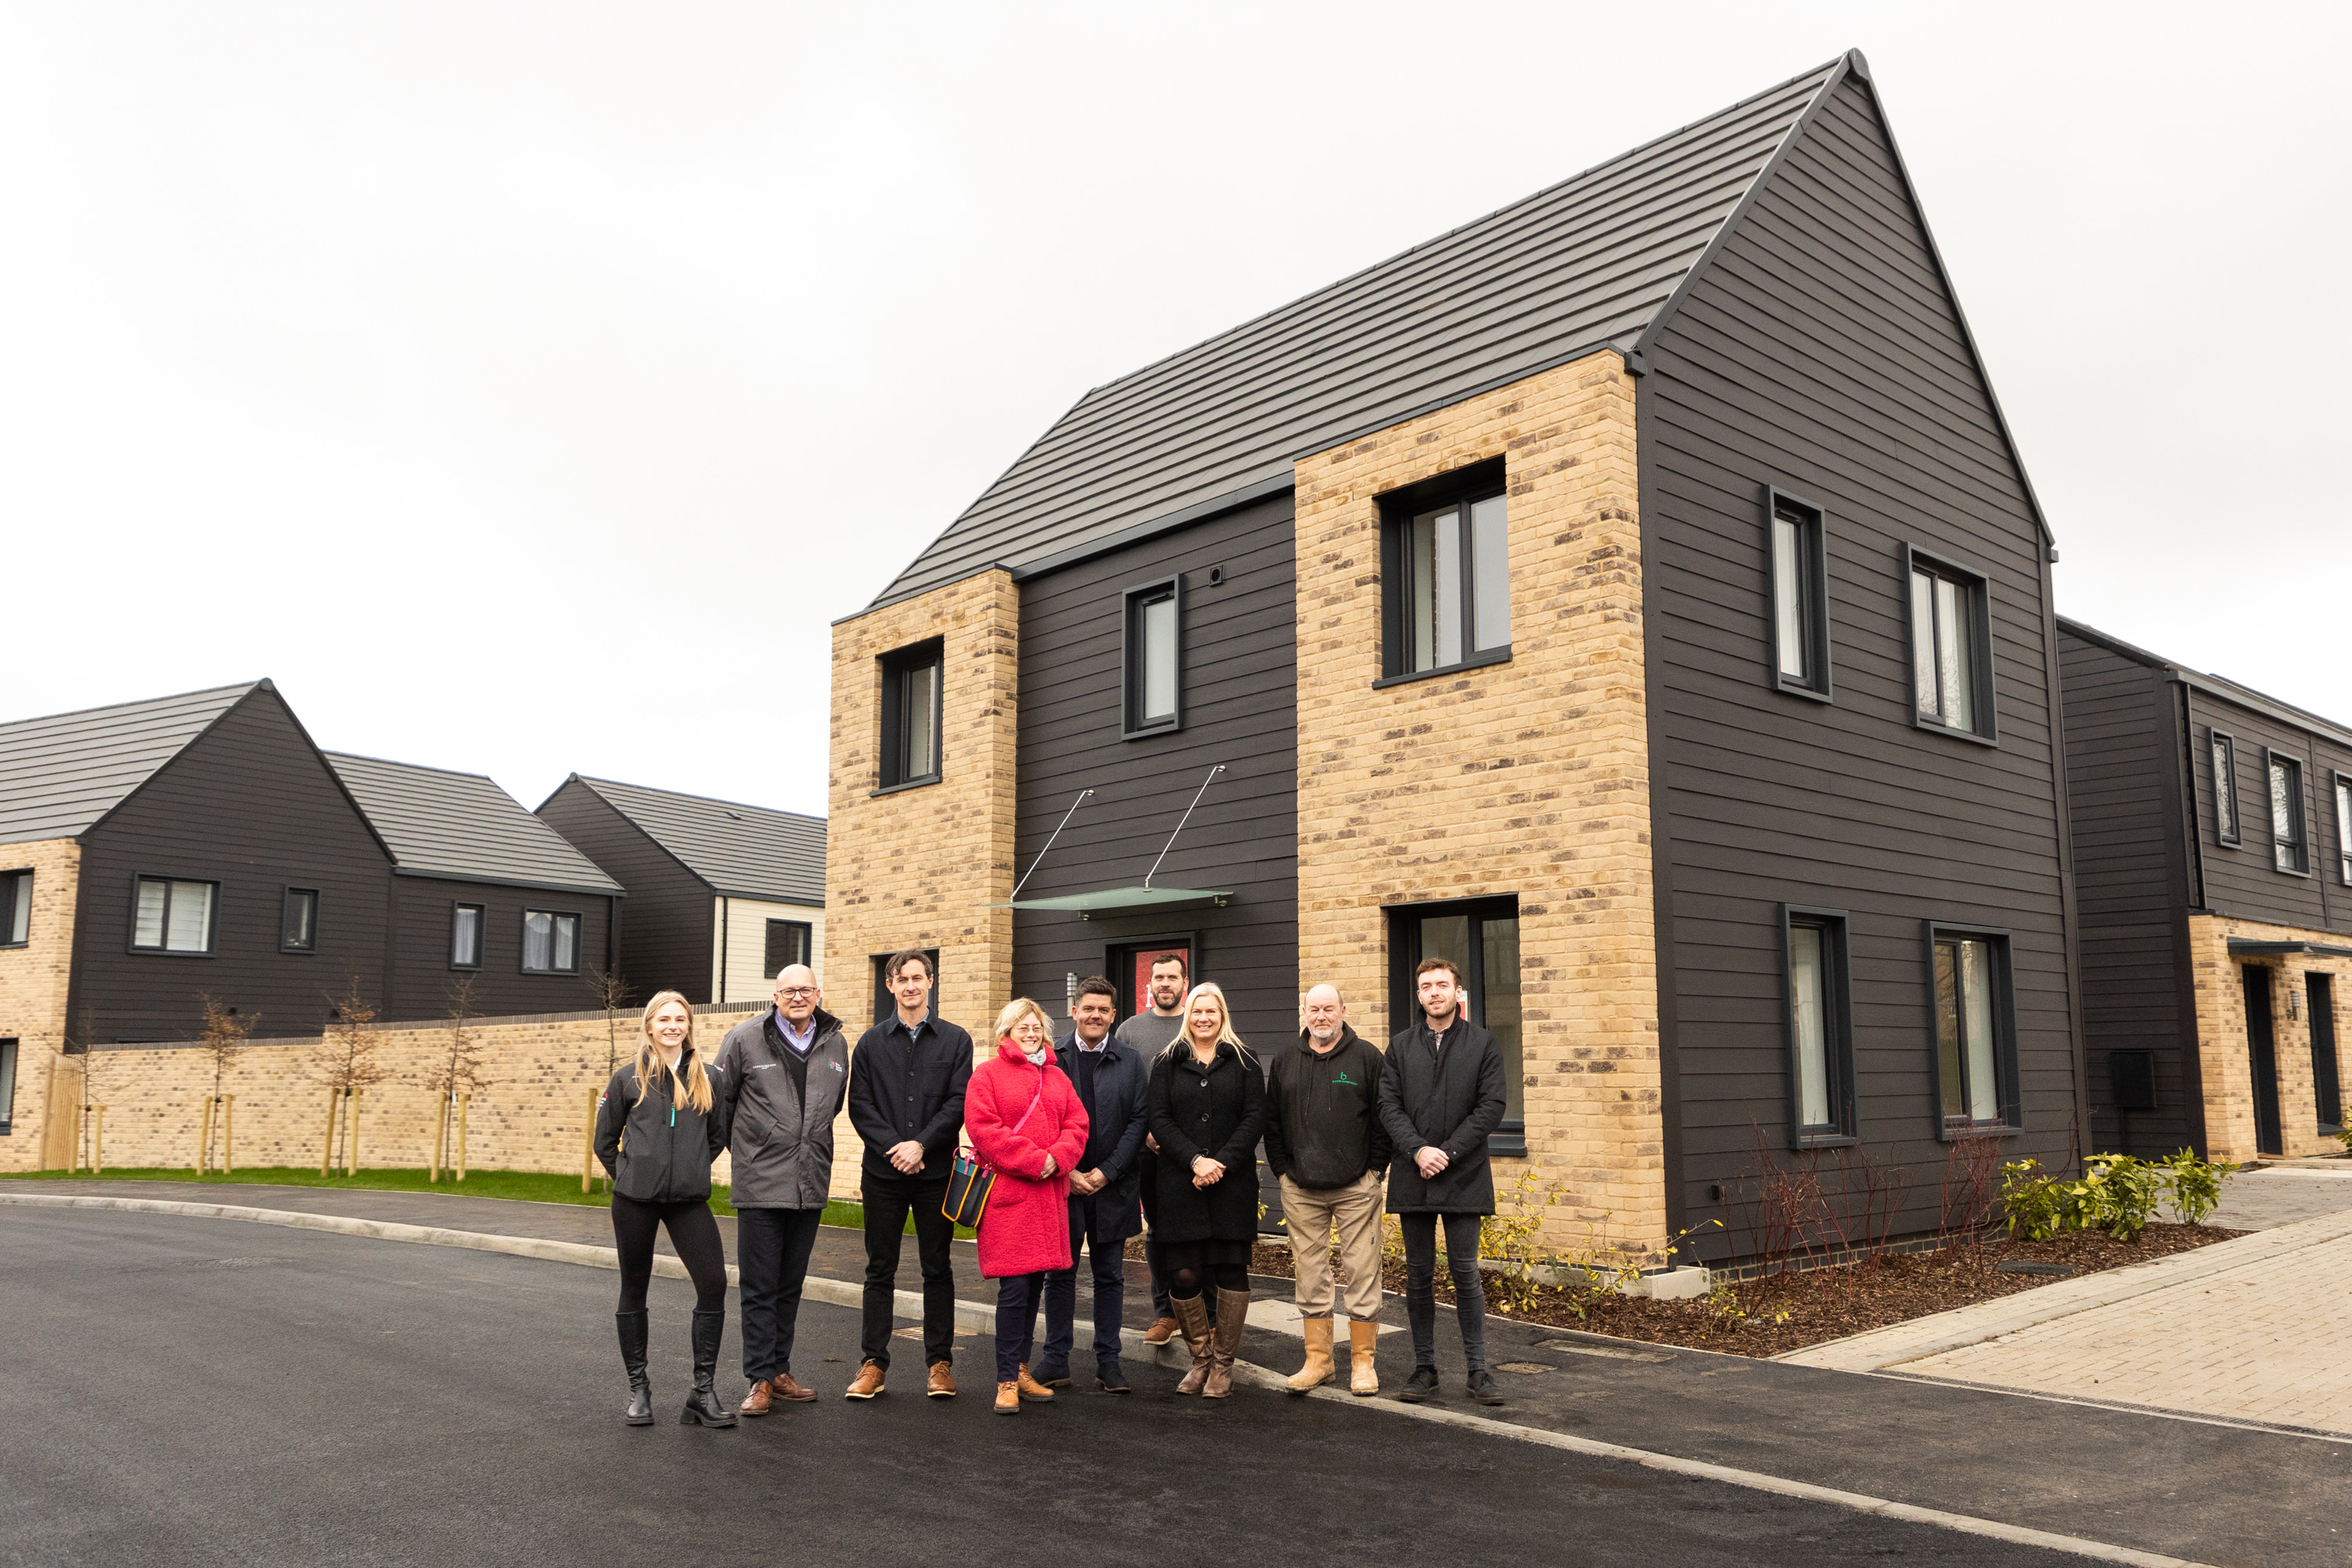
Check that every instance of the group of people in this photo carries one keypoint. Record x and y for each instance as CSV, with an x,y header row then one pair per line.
x,y
1152,1124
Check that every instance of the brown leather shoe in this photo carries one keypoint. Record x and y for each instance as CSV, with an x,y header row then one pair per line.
x,y
867,1382
755,1403
1035,1392
1008,1399
783,1387
940,1382
1161,1331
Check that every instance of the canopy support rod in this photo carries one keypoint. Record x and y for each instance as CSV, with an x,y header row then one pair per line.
x,y
1182,821
1049,842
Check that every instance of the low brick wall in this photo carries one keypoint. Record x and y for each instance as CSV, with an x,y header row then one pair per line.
x,y
533,1116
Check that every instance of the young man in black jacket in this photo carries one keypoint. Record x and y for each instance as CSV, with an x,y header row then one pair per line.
x,y
1441,1095
1110,1080
907,1083
1324,1142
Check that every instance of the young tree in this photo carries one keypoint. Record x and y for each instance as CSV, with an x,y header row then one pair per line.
x,y
83,1043
612,992
346,1064
223,1041
458,1071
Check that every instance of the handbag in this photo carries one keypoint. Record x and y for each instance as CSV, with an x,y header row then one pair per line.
x,y
970,1180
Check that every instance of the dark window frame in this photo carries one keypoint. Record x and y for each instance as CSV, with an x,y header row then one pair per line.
x,y
522,959
1843,1129
8,905
1960,570
885,1006
212,921
285,897
2004,1037
1133,725
1463,486
2300,807
1509,1139
1813,589
2327,1085
482,934
2232,835
2339,788
890,754
8,1061
807,930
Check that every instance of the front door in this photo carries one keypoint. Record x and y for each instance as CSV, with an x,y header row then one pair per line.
x,y
2263,1051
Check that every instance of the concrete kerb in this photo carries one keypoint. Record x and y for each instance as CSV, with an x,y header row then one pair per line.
x,y
980,1316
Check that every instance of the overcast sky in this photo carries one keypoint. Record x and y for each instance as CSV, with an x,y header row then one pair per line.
x,y
525,388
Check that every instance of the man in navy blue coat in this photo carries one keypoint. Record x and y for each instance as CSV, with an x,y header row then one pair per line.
x,y
1104,1188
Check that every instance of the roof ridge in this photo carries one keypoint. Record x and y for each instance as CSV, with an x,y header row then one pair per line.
x,y
240,687
420,767
688,795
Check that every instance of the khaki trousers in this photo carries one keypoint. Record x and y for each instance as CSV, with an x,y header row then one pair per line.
x,y
1311,1215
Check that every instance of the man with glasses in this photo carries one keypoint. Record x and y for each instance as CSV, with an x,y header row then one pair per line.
x,y
783,1074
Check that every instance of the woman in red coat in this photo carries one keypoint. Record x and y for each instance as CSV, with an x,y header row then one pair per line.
x,y
1026,1122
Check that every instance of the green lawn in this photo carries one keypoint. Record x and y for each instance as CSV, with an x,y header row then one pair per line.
x,y
527,1186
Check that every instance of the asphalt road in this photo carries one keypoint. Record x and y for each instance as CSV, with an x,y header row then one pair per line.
x,y
182,1391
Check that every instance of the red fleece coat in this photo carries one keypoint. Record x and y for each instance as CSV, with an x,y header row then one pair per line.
x,y
1026,1226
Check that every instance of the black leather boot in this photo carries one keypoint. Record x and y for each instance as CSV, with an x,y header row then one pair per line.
x,y
633,1358
702,1407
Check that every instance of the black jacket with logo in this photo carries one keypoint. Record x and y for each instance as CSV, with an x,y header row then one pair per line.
x,y
1323,1124
655,1151
782,1138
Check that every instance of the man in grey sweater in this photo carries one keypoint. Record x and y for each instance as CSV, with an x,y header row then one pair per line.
x,y
1147,1033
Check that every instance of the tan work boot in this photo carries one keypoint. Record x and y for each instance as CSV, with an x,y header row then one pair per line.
x,y
1008,1399
1161,1331
1233,1314
1193,1316
1030,1389
1318,1368
1363,1344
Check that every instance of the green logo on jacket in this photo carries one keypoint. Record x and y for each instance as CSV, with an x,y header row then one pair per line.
x,y
1344,1081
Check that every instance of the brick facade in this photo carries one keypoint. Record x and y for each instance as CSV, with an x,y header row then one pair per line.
x,y
32,980
1529,777
2224,1058
919,867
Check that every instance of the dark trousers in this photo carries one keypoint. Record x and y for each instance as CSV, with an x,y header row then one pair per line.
x,y
1420,1284
1155,1256
771,1247
691,1230
889,1201
1017,1296
1090,1218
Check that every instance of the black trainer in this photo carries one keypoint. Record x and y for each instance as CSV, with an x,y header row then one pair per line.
x,y
1484,1389
1110,1379
1420,1386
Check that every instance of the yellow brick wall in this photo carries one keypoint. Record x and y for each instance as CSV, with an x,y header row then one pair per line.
x,y
1529,778
917,868
2224,1058
32,980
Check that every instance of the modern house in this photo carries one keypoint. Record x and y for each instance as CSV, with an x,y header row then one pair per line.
x,y
721,895
1633,594
2213,861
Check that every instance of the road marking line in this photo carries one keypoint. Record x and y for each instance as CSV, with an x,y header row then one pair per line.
x,y
843,1293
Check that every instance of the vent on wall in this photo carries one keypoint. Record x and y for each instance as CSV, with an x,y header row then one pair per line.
x,y
2132,1075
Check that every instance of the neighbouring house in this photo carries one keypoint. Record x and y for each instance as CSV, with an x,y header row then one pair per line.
x,y
1633,596
482,890
721,895
2213,864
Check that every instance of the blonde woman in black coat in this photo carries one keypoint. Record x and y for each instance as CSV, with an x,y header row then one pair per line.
x,y
1207,1107
660,1124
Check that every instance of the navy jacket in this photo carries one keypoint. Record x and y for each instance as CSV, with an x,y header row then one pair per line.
x,y
900,1091
1453,1099
1116,1111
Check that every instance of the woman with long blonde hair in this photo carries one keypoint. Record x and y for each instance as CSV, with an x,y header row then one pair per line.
x,y
1207,1107
660,1125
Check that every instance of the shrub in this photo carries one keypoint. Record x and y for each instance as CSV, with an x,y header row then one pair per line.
x,y
2117,1193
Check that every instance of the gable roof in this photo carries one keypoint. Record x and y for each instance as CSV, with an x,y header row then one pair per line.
x,y
1590,263
462,827
742,851
2219,686
62,773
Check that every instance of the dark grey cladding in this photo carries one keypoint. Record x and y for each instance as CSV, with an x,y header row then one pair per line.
x,y
744,851
61,773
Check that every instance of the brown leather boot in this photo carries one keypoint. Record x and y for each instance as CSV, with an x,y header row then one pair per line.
x,y
1233,1312
867,1382
1161,1331
1008,1399
1030,1389
1363,1345
755,1403
939,1381
1318,1368
1193,1316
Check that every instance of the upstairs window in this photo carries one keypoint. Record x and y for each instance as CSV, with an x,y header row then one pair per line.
x,y
1975,1070
2342,831
2290,846
788,943
1446,572
2222,753
15,908
465,936
1154,659
174,916
550,942
1800,631
1951,648
1820,1028
298,920
910,716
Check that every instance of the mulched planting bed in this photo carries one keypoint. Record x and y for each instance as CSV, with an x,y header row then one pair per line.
x,y
1787,1312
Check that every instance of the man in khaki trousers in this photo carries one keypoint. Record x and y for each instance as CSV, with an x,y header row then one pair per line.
x,y
1324,1140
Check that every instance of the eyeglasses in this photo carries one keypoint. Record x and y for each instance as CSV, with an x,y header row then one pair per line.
x,y
796,992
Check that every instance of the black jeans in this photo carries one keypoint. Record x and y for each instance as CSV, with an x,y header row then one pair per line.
x,y
691,1230
1090,1217
1016,1322
1154,1251
889,1201
771,1247
1420,1284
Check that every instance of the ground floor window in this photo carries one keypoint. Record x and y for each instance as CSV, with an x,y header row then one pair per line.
x,y
885,1006
8,1085
788,943
550,942
1819,1025
2326,1086
1976,1029
1482,938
